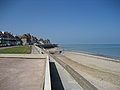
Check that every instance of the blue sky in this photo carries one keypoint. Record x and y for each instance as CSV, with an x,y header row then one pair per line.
x,y
63,21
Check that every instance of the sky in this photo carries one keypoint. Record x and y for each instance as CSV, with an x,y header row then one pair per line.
x,y
63,21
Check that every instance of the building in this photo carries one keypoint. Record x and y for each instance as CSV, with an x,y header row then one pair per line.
x,y
24,39
7,39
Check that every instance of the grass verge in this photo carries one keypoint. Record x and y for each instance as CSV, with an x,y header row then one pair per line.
x,y
16,50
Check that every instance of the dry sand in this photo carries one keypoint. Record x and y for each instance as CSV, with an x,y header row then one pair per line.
x,y
102,73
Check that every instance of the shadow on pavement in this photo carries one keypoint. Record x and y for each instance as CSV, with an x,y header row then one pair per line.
x,y
56,83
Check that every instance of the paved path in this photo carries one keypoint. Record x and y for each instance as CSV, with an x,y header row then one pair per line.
x,y
8,47
21,74
34,50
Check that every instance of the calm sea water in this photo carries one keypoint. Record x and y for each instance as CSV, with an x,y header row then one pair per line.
x,y
110,50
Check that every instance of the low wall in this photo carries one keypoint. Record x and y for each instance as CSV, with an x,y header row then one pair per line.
x,y
47,79
47,84
41,56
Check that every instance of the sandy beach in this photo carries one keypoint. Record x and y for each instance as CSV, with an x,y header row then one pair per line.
x,y
100,71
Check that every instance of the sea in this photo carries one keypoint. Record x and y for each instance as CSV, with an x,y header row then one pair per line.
x,y
106,50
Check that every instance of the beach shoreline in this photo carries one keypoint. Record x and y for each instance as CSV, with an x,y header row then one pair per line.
x,y
90,54
92,59
98,70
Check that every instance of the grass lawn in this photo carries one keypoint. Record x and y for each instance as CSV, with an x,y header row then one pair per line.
x,y
16,50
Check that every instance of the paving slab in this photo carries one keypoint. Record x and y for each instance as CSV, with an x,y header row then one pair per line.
x,y
21,74
34,50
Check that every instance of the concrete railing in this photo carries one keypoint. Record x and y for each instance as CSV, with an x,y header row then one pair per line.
x,y
47,84
38,49
86,85
47,79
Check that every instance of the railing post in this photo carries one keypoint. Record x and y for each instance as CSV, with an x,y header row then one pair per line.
x,y
47,85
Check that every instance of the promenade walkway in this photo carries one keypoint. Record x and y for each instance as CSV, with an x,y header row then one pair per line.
x,y
19,73
34,50
8,47
60,78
